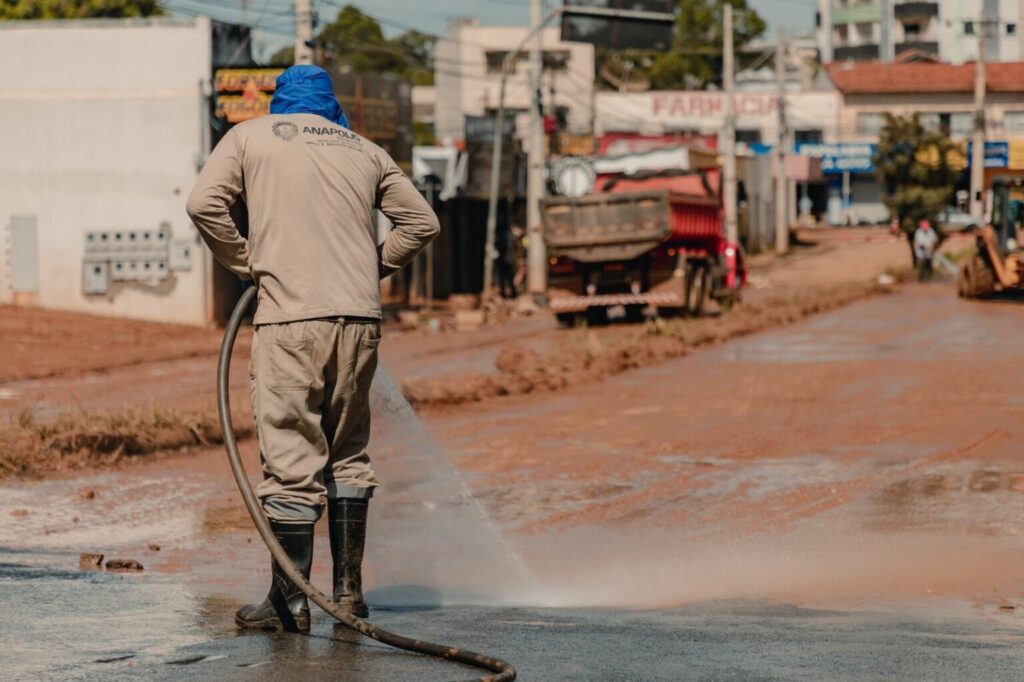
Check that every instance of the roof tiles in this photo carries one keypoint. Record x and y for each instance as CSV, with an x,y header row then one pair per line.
x,y
864,78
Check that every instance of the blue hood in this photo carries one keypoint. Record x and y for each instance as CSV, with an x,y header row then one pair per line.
x,y
307,89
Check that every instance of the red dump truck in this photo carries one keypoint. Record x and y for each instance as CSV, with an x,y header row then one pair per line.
x,y
649,241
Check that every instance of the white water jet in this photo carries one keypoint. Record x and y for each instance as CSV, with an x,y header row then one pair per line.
x,y
430,542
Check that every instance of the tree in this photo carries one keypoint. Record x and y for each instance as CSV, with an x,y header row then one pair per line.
x,y
355,42
78,9
918,170
696,54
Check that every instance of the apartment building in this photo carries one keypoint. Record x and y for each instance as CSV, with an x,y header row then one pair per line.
x,y
951,30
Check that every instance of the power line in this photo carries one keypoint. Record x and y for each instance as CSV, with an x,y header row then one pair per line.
x,y
270,22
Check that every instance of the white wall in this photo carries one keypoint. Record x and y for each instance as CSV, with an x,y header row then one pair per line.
x,y
464,86
102,122
957,48
954,46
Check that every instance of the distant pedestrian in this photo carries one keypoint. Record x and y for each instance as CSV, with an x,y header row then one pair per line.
x,y
519,249
507,263
925,241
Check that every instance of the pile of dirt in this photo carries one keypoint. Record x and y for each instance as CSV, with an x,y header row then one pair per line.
x,y
587,357
29,448
42,343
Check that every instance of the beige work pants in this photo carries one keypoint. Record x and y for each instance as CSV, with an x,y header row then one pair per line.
x,y
310,384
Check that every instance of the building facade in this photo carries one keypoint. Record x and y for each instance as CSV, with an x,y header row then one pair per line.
x,y
865,30
942,95
107,125
467,78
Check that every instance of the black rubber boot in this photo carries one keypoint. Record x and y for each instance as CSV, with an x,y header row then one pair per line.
x,y
285,607
347,519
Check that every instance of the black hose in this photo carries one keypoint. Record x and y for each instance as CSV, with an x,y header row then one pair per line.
x,y
502,670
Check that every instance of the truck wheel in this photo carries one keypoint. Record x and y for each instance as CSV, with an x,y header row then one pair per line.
x,y
634,314
567,319
696,289
597,316
984,278
978,279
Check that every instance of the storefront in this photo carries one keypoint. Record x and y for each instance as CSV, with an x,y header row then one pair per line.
x,y
852,194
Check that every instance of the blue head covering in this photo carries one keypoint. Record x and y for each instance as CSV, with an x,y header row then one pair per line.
x,y
307,89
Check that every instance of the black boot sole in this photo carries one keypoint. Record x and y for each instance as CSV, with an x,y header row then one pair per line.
x,y
272,624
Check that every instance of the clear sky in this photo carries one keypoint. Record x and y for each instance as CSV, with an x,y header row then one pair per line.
x,y
795,16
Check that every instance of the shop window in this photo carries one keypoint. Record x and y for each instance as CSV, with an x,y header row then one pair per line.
x,y
931,122
869,123
554,60
808,136
748,136
1013,122
960,125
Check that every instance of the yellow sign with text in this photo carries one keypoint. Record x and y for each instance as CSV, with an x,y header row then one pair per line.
x,y
243,94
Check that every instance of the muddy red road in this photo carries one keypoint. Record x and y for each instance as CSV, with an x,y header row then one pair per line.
x,y
864,459
874,450
58,362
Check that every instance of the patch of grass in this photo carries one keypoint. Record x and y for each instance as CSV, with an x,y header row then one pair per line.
x,y
31,448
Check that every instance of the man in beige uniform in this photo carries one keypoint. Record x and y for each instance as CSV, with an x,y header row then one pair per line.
x,y
311,187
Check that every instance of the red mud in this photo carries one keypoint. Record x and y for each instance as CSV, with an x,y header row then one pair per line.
x,y
588,357
872,451
41,343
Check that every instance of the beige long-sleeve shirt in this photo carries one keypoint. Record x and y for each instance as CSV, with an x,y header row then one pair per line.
x,y
311,188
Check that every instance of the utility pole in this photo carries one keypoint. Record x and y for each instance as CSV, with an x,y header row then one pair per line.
x,y
825,10
886,47
303,31
978,136
536,255
729,136
781,140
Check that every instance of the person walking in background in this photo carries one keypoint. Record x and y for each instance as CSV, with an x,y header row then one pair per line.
x,y
312,187
507,263
925,241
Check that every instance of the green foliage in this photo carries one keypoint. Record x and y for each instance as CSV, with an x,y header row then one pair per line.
x,y
78,9
423,133
355,42
917,168
696,54
283,57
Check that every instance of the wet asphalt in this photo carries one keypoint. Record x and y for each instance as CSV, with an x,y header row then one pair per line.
x,y
68,624
717,641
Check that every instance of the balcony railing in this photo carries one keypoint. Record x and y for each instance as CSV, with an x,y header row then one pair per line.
x,y
915,10
860,13
858,53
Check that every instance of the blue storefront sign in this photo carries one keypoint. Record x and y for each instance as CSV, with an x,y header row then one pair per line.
x,y
840,158
997,154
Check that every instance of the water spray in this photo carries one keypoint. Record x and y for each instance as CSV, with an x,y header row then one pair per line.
x,y
502,670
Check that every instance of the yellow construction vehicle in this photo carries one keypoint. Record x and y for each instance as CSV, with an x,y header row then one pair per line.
x,y
998,264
